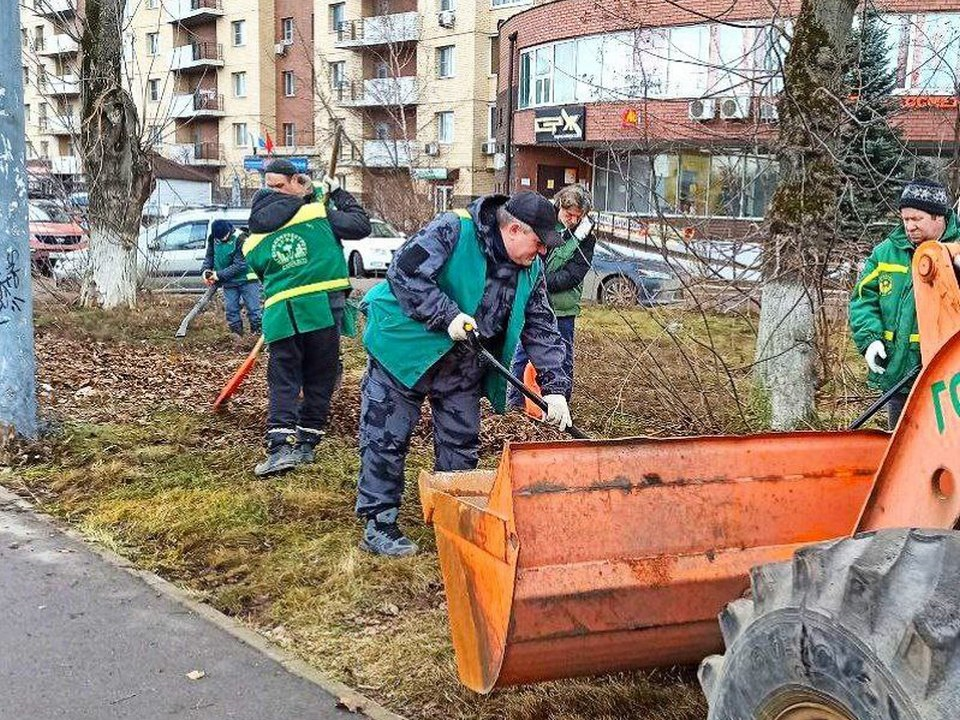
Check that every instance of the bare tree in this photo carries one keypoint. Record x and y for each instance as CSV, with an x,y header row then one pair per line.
x,y
803,212
119,173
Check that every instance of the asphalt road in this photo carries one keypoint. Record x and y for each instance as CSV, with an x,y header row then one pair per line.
x,y
81,637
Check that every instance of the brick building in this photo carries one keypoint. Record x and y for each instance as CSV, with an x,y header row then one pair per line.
x,y
670,112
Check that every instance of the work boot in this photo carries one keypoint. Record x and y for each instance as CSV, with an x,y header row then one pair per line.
x,y
236,335
382,536
282,454
307,440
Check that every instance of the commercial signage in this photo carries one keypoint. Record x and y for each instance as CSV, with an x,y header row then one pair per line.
x,y
560,124
939,102
630,118
255,163
429,173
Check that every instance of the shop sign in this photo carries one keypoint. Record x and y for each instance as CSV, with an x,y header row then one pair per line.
x,y
429,173
257,163
560,124
630,118
938,102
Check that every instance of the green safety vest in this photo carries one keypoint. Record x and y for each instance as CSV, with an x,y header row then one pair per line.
x,y
565,302
408,348
299,264
883,307
223,253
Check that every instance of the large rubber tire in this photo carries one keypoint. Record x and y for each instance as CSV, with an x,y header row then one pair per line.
x,y
864,628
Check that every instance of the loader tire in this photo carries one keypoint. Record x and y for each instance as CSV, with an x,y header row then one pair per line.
x,y
864,628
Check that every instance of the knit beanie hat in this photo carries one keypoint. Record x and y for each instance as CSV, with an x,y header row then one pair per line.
x,y
221,229
926,195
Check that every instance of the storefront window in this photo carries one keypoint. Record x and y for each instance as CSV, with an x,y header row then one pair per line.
x,y
638,199
726,185
760,180
666,169
600,181
694,181
618,183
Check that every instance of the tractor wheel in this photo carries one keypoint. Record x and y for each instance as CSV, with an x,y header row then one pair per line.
x,y
864,628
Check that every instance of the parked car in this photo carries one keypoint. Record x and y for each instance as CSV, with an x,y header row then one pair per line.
x,y
372,254
624,276
53,232
172,251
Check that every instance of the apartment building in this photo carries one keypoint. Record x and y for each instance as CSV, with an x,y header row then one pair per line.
x,y
51,92
413,83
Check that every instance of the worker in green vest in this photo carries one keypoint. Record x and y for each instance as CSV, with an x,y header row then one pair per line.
x,y
565,267
883,310
294,248
225,267
478,268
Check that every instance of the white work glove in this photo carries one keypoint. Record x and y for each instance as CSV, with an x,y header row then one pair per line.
x,y
332,184
873,352
457,330
583,227
557,411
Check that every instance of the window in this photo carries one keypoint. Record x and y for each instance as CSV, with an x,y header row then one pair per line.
x,y
238,32
286,30
503,3
726,186
443,198
337,16
342,179
382,69
338,74
26,113
240,134
38,37
23,37
382,131
492,122
153,90
153,4
154,134
445,61
239,84
289,134
447,5
26,76
190,236
289,83
44,149
495,55
937,54
445,127
43,111
153,44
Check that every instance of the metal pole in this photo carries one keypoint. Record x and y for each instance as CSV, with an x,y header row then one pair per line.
x,y
18,400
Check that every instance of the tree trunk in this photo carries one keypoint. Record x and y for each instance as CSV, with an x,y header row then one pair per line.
x,y
119,173
802,218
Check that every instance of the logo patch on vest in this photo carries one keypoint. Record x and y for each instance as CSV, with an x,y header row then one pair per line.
x,y
289,251
886,284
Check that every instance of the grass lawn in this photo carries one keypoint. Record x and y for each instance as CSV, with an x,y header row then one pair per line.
x,y
137,462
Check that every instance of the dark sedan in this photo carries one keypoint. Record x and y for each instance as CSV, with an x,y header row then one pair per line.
x,y
623,277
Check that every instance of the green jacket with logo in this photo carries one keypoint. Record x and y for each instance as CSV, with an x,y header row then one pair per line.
x,y
299,263
408,348
564,302
883,307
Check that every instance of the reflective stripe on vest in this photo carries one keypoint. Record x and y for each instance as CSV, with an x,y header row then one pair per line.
x,y
310,211
325,286
888,335
881,267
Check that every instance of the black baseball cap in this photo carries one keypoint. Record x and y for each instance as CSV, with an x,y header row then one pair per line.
x,y
537,212
280,166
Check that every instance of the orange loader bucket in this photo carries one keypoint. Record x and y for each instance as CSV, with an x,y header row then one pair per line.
x,y
583,557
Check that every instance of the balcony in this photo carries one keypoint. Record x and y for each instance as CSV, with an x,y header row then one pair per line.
x,y
196,56
379,30
389,153
55,85
65,165
206,154
193,12
57,45
197,105
55,9
377,92
60,124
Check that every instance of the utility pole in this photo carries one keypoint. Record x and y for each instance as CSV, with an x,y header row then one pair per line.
x,y
18,399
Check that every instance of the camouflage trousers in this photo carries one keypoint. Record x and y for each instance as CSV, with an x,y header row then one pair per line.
x,y
389,412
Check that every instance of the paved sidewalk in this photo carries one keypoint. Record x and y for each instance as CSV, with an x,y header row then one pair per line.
x,y
82,637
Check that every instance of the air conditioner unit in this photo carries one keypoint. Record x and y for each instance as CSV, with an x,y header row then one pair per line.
x,y
280,48
446,18
735,108
489,147
287,41
768,111
432,148
702,109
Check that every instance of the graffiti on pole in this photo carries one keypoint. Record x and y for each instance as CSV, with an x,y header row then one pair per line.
x,y
9,285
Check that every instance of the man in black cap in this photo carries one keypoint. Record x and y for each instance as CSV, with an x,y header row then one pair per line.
x,y
883,311
472,269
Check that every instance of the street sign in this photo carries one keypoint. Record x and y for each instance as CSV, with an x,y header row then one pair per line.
x,y
256,163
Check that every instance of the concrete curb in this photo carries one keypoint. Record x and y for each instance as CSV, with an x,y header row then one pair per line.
x,y
290,662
